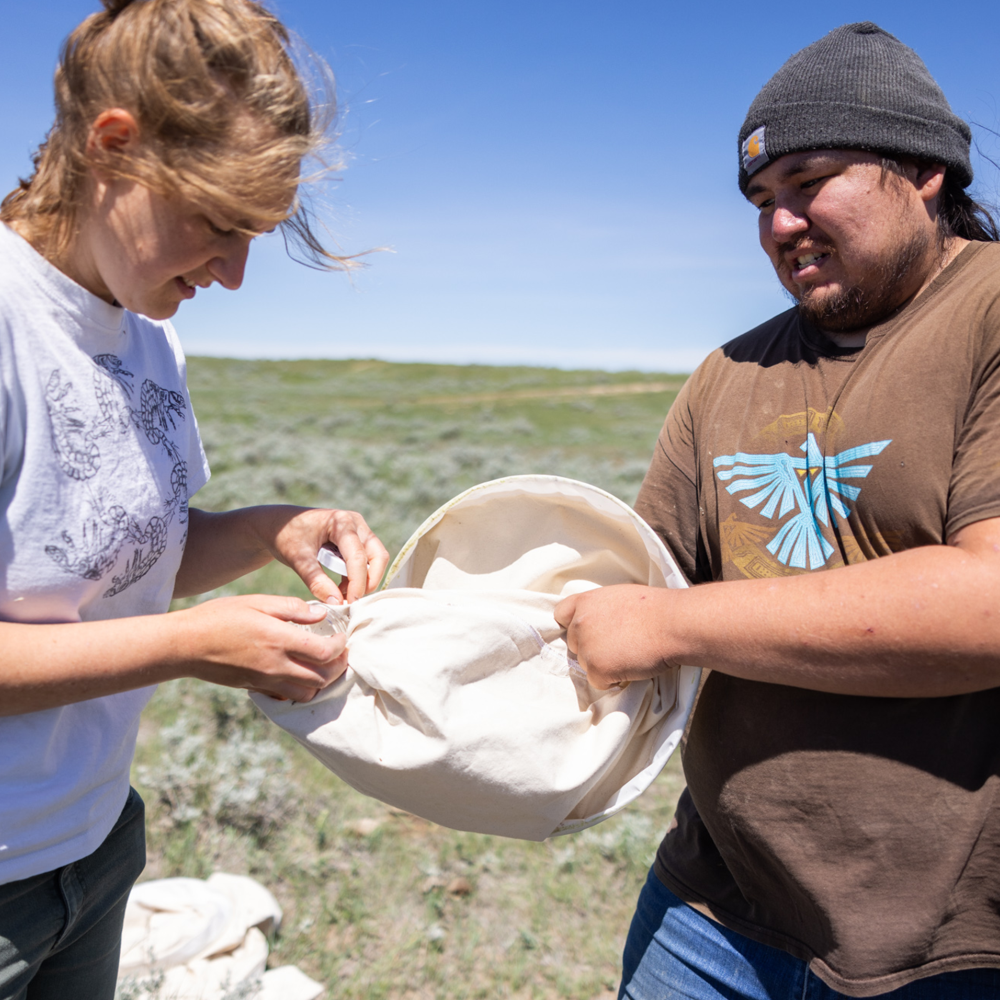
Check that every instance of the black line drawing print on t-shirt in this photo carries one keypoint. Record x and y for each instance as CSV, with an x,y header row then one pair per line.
x,y
108,527
102,537
158,408
72,440
112,364
115,413
142,561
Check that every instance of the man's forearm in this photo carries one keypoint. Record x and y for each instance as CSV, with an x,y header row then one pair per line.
x,y
916,624
920,623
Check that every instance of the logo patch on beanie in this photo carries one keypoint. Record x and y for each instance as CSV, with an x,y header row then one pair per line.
x,y
754,150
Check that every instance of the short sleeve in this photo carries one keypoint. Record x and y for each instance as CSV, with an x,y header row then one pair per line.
x,y
198,472
668,499
198,469
974,491
12,415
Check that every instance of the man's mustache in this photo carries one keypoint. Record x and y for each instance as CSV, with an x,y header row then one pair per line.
x,y
803,245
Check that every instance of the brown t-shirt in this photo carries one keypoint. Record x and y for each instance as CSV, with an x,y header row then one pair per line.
x,y
859,834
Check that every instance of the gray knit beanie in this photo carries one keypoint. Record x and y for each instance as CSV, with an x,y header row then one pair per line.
x,y
856,88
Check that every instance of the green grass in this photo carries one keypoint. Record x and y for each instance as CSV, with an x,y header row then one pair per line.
x,y
368,909
396,441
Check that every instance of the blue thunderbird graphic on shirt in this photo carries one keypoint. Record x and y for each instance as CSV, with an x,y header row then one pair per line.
x,y
813,486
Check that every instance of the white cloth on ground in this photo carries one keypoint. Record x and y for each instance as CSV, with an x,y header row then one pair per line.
x,y
203,940
99,453
461,703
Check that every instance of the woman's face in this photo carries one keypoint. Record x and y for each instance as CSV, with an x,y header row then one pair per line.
x,y
149,252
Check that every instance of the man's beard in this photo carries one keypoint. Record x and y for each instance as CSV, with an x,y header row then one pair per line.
x,y
872,299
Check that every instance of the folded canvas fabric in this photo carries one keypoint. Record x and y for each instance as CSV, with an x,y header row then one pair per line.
x,y
461,703
192,940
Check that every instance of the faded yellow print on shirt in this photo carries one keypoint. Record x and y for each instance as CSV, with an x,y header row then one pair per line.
x,y
744,543
789,426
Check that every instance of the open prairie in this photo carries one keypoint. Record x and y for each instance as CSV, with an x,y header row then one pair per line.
x,y
380,904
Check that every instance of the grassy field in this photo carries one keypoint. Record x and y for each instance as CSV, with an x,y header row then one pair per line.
x,y
380,904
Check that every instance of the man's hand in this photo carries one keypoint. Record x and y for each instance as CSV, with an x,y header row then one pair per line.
x,y
616,633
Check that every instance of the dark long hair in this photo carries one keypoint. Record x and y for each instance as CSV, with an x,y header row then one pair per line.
x,y
958,214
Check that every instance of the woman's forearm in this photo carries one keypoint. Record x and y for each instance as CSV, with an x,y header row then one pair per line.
x,y
224,546
44,666
220,548
246,642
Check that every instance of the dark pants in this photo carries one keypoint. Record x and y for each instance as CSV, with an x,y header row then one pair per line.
x,y
61,932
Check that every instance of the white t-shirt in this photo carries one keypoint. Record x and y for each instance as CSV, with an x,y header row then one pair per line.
x,y
99,453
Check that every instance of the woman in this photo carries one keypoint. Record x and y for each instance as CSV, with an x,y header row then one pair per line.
x,y
181,126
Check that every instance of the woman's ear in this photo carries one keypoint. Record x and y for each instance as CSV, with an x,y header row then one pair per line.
x,y
112,132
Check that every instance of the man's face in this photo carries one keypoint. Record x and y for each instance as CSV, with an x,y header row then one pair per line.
x,y
848,243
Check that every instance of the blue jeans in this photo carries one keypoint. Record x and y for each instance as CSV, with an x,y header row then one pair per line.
x,y
61,932
674,951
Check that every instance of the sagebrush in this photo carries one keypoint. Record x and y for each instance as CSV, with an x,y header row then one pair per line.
x,y
378,903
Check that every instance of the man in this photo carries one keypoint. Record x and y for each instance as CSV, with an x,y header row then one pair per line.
x,y
840,834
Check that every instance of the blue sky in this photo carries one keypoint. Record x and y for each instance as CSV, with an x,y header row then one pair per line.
x,y
556,180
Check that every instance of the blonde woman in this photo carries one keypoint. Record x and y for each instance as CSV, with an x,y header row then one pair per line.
x,y
180,129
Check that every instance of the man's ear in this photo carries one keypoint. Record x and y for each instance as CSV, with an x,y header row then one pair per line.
x,y
929,181
113,132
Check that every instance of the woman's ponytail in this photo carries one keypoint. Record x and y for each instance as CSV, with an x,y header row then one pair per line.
x,y
114,7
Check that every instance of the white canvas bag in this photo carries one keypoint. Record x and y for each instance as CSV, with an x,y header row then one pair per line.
x,y
185,939
461,703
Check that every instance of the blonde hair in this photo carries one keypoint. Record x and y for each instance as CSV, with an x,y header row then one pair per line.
x,y
224,118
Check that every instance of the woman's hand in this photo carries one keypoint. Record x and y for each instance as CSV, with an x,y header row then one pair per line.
x,y
252,642
229,544
298,535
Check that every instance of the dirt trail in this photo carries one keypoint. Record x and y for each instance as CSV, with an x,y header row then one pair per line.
x,y
621,389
